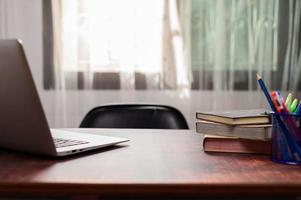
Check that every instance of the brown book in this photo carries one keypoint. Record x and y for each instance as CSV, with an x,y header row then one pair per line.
x,y
213,143
251,131
236,117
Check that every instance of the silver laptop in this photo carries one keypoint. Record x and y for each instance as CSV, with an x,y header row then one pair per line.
x,y
23,124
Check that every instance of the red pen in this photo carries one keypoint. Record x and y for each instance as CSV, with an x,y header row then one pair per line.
x,y
276,101
281,101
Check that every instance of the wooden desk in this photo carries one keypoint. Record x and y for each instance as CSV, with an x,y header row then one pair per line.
x,y
164,163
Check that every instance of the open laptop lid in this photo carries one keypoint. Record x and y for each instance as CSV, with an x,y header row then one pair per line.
x,y
23,125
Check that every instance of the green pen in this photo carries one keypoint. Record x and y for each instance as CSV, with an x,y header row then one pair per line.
x,y
298,109
293,106
288,101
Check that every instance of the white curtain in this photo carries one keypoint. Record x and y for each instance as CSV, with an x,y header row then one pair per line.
x,y
176,44
125,37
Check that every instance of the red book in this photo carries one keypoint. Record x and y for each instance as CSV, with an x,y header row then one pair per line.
x,y
213,143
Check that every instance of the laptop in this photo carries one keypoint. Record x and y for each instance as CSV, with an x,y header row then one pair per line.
x,y
23,124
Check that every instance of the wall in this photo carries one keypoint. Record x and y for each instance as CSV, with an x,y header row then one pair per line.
x,y
23,20
30,18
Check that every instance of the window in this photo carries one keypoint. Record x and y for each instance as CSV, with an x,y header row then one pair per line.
x,y
221,43
112,36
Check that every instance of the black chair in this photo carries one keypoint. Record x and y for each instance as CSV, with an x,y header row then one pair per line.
x,y
134,116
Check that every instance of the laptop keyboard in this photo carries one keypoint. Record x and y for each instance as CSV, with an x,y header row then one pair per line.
x,y
59,142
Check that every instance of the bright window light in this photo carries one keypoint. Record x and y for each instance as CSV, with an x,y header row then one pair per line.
x,y
112,35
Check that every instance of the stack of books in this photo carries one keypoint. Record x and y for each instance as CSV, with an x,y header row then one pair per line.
x,y
240,131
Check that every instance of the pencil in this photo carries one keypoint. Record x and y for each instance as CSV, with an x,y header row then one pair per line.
x,y
266,93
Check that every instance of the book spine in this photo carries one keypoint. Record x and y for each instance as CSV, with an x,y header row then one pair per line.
x,y
236,145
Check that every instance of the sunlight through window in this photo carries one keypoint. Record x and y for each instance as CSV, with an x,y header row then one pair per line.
x,y
114,35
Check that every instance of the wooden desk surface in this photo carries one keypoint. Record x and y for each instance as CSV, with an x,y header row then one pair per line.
x,y
154,163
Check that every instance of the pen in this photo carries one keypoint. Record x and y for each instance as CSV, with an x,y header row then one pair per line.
x,y
288,100
276,102
298,109
281,138
293,106
285,108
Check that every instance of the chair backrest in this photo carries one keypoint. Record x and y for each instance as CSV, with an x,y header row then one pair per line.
x,y
134,116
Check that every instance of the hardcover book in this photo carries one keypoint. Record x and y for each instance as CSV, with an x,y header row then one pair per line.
x,y
236,117
213,143
252,131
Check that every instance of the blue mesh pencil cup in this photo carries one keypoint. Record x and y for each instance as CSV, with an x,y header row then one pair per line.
x,y
286,138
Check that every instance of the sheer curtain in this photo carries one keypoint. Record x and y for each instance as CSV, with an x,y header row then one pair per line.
x,y
234,39
292,65
119,37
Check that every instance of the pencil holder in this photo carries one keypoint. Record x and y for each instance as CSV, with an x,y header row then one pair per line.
x,y
286,138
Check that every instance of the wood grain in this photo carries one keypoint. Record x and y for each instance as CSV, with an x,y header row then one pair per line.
x,y
154,163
